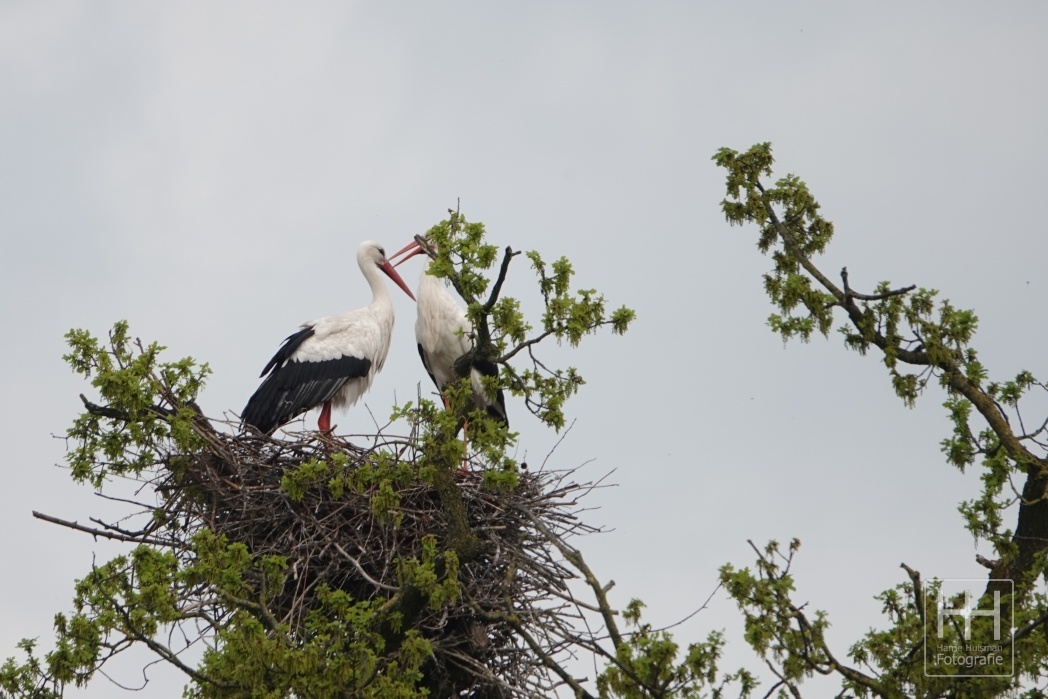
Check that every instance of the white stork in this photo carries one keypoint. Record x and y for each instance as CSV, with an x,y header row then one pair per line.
x,y
444,333
331,361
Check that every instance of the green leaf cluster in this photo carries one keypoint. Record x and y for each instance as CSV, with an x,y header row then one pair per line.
x,y
435,574
132,598
775,628
887,662
648,665
146,403
803,307
501,330
201,588
923,340
341,656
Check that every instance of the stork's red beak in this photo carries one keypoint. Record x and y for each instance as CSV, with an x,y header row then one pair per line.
x,y
412,248
392,274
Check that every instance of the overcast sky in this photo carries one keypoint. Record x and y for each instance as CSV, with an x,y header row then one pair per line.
x,y
207,170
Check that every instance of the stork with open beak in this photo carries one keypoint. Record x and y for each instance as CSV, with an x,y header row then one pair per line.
x,y
444,334
331,361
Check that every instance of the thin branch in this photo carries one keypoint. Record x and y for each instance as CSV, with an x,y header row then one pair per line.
x,y
540,651
872,297
782,682
113,413
497,288
689,616
364,573
166,653
135,539
522,346
954,376
1026,630
574,556
811,641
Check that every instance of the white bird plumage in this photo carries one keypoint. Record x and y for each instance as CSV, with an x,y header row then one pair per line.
x,y
333,360
444,334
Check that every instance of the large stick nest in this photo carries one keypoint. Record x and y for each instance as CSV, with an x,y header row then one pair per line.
x,y
233,488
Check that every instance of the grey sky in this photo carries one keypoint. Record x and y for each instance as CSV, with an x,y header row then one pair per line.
x,y
206,171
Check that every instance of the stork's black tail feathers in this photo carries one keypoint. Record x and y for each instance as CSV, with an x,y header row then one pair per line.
x,y
496,410
293,386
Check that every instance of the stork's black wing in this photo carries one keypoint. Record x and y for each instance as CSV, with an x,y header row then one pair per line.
x,y
425,363
294,386
496,410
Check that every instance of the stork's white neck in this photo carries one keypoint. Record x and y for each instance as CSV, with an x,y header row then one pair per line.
x,y
374,276
428,278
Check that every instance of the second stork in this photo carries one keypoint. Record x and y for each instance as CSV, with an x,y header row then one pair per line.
x,y
444,334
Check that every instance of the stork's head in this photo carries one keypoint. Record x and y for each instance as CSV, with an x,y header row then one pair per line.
x,y
371,253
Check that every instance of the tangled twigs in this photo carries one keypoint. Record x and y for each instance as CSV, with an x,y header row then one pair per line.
x,y
348,518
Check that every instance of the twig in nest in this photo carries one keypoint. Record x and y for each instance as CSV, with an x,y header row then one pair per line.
x,y
235,487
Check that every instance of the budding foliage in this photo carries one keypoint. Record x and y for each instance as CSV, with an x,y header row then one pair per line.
x,y
923,341
146,402
187,582
502,333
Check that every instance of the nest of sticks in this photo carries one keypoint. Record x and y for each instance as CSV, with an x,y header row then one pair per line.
x,y
515,612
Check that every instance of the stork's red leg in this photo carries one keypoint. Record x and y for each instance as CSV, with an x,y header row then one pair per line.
x,y
465,440
324,423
